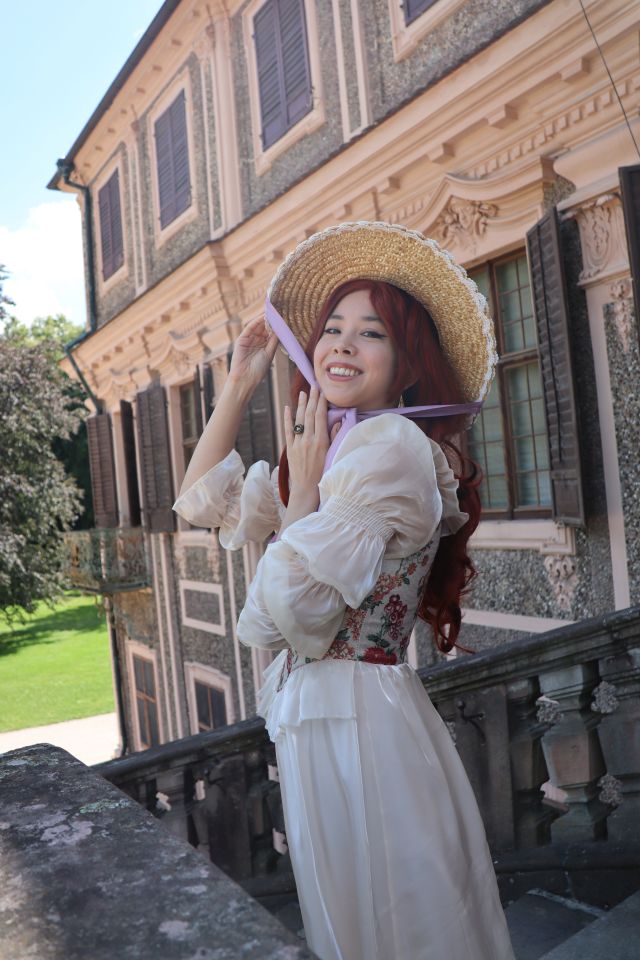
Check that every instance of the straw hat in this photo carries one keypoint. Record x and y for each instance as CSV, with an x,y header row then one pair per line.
x,y
405,258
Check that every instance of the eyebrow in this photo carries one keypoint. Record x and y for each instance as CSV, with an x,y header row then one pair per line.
x,y
338,316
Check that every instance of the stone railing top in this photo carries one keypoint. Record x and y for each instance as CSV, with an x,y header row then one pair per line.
x,y
537,654
87,872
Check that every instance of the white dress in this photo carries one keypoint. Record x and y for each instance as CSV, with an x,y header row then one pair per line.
x,y
387,845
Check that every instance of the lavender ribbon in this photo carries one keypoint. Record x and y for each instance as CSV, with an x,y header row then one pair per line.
x,y
351,415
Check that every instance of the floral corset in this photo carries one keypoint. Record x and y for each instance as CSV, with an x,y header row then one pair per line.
x,y
379,630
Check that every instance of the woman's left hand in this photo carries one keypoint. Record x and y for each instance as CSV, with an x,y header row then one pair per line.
x,y
307,451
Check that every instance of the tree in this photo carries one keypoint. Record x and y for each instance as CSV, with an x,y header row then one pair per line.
x,y
51,333
38,501
3,298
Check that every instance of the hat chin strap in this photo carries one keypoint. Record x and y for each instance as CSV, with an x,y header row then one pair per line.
x,y
350,415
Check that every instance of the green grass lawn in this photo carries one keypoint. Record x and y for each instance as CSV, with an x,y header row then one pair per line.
x,y
56,665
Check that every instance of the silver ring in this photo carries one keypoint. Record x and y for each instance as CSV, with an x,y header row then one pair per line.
x,y
298,428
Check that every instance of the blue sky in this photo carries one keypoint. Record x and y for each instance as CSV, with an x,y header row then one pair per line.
x,y
56,62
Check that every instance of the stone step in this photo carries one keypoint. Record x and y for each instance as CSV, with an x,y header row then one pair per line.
x,y
615,936
539,921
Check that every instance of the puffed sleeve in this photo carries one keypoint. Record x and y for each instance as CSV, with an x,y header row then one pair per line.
x,y
380,498
243,509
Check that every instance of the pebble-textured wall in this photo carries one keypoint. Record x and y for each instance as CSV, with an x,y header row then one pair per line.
x,y
624,362
451,43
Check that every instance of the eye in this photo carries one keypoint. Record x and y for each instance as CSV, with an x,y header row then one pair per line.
x,y
373,333
330,330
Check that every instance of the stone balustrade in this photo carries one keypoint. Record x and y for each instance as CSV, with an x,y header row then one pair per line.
x,y
560,707
87,873
107,561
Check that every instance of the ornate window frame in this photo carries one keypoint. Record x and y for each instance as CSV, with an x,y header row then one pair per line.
x,y
311,121
182,81
213,678
202,586
406,37
134,648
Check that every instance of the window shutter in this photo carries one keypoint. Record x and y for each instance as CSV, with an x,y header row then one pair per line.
x,y
129,443
630,188
256,437
155,459
413,8
182,183
550,306
295,59
111,241
197,398
172,156
208,391
103,475
270,73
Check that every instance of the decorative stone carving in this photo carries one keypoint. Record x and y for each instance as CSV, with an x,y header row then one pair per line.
x,y
181,362
548,710
463,220
623,314
563,577
602,237
604,698
610,790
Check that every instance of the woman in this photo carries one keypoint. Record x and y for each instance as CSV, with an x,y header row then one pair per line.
x,y
387,844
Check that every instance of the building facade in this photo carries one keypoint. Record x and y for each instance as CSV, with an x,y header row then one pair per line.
x,y
237,129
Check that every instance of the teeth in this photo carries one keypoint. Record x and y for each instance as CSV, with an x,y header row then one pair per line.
x,y
343,372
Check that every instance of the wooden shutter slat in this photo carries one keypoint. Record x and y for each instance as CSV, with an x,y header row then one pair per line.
x,y
164,161
295,59
197,401
155,457
270,73
550,306
104,206
180,147
630,190
102,468
117,240
208,392
131,468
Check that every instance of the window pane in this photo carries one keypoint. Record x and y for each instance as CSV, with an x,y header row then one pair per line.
x,y
138,673
482,279
529,440
150,686
515,307
486,446
202,706
219,708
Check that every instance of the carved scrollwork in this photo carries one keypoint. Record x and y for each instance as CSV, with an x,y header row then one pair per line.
x,y
622,312
604,698
562,572
610,790
463,220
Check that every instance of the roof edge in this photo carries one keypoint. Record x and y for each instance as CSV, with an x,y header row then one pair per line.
x,y
150,34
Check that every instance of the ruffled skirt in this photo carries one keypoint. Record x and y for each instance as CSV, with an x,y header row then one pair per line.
x,y
387,845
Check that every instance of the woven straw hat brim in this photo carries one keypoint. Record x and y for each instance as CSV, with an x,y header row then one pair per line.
x,y
417,264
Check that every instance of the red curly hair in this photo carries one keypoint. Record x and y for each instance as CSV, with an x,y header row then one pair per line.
x,y
420,362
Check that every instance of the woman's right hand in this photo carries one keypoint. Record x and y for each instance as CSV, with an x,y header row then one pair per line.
x,y
253,352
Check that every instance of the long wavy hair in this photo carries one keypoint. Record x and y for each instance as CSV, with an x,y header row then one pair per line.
x,y
420,362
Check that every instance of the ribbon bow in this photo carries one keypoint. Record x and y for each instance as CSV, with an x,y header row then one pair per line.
x,y
351,415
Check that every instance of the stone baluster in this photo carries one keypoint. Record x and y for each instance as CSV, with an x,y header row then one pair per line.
x,y
528,768
572,750
170,801
616,700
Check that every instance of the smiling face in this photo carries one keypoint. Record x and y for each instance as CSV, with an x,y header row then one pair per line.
x,y
354,359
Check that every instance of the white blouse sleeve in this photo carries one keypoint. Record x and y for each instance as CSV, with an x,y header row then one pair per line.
x,y
381,497
248,509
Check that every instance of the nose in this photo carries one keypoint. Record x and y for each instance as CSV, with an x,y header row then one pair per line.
x,y
343,344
